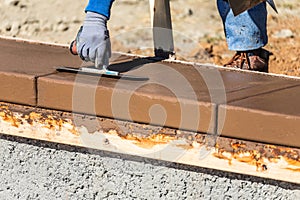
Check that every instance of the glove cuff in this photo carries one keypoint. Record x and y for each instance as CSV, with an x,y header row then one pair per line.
x,y
93,19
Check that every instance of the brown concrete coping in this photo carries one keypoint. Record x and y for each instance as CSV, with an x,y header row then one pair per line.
x,y
241,85
175,95
273,117
22,62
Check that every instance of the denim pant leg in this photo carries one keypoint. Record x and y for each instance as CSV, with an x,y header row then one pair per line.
x,y
246,31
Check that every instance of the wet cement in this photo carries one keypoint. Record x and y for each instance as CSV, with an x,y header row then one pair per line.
x,y
178,95
186,97
21,64
274,116
33,59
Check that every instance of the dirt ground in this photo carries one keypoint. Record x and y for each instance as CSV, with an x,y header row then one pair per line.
x,y
198,31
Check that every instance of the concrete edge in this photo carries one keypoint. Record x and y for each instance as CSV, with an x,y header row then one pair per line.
x,y
262,126
112,98
33,41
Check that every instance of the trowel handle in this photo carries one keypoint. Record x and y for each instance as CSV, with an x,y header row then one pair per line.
x,y
73,48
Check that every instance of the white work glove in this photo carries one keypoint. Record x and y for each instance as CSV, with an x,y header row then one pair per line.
x,y
92,42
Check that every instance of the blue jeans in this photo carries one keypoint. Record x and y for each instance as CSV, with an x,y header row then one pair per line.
x,y
247,31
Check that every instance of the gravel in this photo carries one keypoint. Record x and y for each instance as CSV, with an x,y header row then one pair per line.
x,y
31,169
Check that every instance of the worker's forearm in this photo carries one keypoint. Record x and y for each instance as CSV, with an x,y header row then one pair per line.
x,y
100,6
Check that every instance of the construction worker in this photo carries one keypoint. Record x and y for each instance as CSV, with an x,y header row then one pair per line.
x,y
246,34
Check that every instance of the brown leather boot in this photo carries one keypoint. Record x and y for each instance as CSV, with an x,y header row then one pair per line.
x,y
256,60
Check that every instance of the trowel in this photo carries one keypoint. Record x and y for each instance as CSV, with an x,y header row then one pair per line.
x,y
239,6
97,71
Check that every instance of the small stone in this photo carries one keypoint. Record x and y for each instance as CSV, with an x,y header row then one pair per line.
x,y
76,20
46,26
12,2
8,27
190,12
284,33
62,27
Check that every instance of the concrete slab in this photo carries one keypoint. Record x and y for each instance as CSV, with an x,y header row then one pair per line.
x,y
169,98
17,88
241,85
177,95
272,117
22,62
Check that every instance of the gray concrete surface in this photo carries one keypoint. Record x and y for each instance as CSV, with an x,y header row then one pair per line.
x,y
40,170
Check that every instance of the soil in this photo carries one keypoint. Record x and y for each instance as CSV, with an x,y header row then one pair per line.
x,y
198,31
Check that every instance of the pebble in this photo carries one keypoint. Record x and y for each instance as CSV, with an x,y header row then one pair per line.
x,y
47,27
62,27
16,26
12,2
283,33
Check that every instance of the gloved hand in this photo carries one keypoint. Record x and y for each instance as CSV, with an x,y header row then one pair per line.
x,y
92,41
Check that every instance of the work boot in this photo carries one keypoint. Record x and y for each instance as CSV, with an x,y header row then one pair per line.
x,y
256,60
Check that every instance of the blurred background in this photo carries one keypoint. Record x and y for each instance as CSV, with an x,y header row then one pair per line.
x,y
198,30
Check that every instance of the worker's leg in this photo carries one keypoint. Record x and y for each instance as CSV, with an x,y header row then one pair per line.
x,y
246,31
246,34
